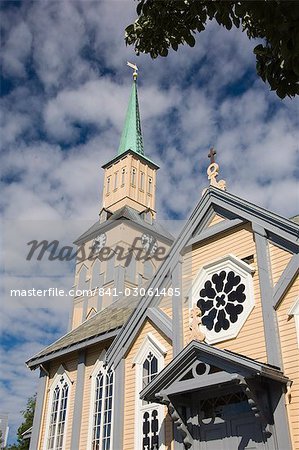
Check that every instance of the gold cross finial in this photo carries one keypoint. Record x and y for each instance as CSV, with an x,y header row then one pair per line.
x,y
133,66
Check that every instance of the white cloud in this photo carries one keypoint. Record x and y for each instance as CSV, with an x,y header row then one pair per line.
x,y
16,50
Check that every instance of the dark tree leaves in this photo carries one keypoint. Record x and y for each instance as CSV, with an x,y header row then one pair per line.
x,y
28,413
164,25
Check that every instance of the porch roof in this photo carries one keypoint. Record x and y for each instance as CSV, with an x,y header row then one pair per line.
x,y
225,367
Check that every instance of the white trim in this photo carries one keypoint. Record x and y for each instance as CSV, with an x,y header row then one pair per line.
x,y
61,371
241,268
294,312
149,344
99,365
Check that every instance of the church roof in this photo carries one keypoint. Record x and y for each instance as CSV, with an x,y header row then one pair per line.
x,y
131,138
102,326
126,213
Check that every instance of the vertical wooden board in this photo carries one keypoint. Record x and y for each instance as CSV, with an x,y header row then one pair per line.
x,y
130,389
250,340
279,260
290,356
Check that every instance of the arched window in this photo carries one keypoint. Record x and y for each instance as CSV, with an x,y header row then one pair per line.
x,y
59,394
95,278
123,175
115,180
133,179
108,185
149,422
142,181
101,408
82,285
150,186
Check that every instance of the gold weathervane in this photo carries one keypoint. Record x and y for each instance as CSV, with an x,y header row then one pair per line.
x,y
133,66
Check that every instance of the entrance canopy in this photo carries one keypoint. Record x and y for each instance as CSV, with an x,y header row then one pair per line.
x,y
202,367
206,382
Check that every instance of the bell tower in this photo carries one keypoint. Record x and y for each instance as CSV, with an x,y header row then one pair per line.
x,y
118,252
130,177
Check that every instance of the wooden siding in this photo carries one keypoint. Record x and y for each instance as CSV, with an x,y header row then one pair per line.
x,y
91,359
250,341
290,356
165,305
215,219
130,392
279,260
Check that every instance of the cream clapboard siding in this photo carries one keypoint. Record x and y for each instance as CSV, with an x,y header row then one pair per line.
x,y
70,364
279,260
215,219
288,337
165,305
91,358
240,243
290,356
130,392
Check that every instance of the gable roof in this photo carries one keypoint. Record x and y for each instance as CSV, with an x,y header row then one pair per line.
x,y
124,213
229,206
196,352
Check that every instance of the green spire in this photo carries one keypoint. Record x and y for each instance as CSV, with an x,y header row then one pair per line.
x,y
131,138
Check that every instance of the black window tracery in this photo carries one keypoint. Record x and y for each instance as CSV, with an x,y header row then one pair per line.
x,y
221,300
150,416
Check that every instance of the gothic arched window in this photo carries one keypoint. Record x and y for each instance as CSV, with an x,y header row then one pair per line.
x,y
59,395
102,408
149,424
82,285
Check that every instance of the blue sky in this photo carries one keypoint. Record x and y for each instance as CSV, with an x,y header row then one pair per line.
x,y
65,88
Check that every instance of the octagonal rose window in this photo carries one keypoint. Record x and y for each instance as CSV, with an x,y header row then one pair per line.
x,y
223,291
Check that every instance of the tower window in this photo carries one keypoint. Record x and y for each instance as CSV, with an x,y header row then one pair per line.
x,y
123,174
115,180
150,185
133,180
142,181
108,184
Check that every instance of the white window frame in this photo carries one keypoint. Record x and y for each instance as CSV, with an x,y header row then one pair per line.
x,y
142,177
294,312
241,268
150,186
60,372
150,344
133,176
115,180
108,185
99,365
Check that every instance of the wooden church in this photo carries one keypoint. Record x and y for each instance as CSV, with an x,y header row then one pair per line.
x,y
175,343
